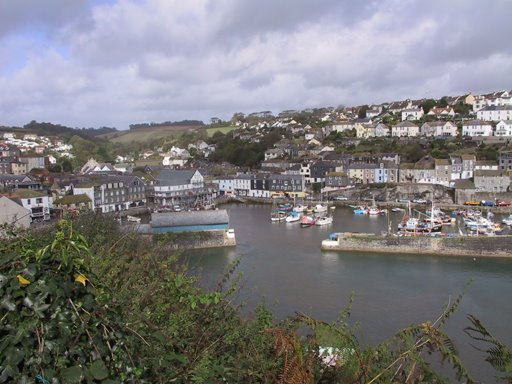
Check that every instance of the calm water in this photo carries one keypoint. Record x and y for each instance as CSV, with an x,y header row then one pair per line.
x,y
283,263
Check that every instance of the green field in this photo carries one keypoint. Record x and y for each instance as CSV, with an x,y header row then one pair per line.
x,y
223,130
142,136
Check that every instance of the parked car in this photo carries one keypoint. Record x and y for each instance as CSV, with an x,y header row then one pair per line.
x,y
341,198
503,203
419,201
471,202
487,203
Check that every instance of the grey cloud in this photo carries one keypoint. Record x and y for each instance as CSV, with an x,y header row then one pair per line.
x,y
16,15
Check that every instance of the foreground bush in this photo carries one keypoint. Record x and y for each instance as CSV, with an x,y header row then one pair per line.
x,y
105,306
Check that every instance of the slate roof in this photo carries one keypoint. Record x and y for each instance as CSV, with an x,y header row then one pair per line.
x,y
175,219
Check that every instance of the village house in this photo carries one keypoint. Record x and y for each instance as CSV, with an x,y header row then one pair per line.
x,y
38,203
405,129
407,173
319,169
92,166
486,165
342,126
112,193
336,180
399,106
291,185
491,181
13,212
504,128
505,160
495,113
443,172
468,166
425,170
382,130
183,187
476,128
412,114
439,129
456,167
442,113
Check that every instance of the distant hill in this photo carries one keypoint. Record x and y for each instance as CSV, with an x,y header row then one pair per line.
x,y
168,125
61,131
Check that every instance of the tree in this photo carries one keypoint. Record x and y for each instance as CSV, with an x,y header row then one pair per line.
x,y
361,113
427,105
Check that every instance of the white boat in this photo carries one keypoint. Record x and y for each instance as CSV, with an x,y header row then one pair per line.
x,y
277,216
319,208
300,208
507,220
326,220
397,209
133,219
293,217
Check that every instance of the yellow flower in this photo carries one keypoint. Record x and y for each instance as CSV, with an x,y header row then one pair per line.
x,y
22,280
81,279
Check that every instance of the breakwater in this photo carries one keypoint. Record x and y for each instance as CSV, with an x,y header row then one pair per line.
x,y
489,246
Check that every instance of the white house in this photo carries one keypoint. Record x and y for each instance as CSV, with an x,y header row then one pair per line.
x,y
382,130
226,185
495,113
476,128
439,129
405,129
504,128
342,126
36,202
412,114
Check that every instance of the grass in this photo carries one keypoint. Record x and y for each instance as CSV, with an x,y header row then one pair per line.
x,y
223,130
142,136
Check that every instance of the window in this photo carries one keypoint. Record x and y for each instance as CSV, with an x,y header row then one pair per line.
x,y
39,200
28,202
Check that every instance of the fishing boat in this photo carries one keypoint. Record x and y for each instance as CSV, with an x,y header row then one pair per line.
x,y
277,216
308,221
326,220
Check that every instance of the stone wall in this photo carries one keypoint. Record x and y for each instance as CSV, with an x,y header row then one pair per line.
x,y
493,246
196,240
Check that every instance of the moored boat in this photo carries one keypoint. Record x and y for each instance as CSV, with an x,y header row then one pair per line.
x,y
326,220
293,217
308,221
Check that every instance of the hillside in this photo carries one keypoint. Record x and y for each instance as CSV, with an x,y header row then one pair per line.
x,y
149,133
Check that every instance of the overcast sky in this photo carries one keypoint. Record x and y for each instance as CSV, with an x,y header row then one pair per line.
x,y
92,63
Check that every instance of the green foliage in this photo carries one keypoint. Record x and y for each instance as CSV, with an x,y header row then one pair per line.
x,y
427,105
52,325
241,153
498,354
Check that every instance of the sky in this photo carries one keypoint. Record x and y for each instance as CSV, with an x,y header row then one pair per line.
x,y
94,63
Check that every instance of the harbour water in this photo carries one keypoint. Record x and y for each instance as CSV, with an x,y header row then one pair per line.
x,y
283,263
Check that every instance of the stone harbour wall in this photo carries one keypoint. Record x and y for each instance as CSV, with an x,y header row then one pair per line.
x,y
196,240
492,246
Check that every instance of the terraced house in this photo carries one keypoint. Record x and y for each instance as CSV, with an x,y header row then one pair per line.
x,y
112,193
